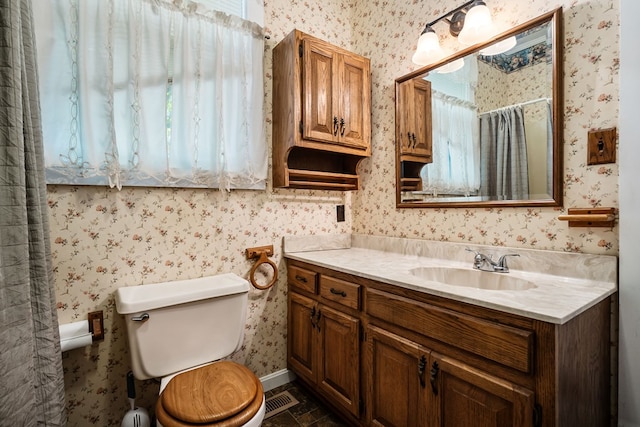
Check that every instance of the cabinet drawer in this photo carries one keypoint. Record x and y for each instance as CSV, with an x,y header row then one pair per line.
x,y
302,279
503,344
340,291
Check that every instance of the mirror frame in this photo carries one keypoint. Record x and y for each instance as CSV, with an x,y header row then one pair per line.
x,y
555,19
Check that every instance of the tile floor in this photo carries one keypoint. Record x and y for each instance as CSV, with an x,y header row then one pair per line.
x,y
309,412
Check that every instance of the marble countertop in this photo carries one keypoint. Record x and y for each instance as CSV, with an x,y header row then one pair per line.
x,y
566,283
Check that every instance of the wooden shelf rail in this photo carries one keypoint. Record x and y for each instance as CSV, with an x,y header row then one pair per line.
x,y
588,217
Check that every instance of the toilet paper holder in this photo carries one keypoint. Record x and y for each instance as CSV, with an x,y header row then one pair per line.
x,y
262,253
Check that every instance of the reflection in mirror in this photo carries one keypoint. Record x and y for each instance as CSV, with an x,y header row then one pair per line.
x,y
492,125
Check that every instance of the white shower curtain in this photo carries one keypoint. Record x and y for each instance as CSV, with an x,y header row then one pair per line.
x,y
31,378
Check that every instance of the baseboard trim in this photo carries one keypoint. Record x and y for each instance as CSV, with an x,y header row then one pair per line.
x,y
276,379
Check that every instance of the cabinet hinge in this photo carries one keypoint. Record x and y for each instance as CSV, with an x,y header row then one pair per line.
x,y
300,50
301,127
537,415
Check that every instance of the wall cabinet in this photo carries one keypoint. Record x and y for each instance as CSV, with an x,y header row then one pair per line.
x,y
389,356
413,131
413,134
321,114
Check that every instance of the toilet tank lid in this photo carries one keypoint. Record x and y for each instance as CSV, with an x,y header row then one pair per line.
x,y
135,299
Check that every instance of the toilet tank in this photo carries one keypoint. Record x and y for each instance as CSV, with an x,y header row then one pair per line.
x,y
178,325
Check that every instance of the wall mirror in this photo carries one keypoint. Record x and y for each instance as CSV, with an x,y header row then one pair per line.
x,y
479,129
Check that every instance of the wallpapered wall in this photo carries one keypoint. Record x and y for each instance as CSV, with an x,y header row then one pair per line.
x,y
104,239
387,31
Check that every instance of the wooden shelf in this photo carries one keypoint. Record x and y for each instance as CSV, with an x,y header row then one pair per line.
x,y
322,180
411,184
587,217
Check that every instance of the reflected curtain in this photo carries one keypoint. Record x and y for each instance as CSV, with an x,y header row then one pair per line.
x,y
503,152
455,168
32,391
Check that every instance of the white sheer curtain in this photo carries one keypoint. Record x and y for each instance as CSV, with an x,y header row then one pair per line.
x,y
151,93
456,151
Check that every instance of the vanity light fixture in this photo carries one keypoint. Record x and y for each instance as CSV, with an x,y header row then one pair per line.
x,y
471,23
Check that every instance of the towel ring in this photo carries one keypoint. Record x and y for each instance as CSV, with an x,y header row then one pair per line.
x,y
262,253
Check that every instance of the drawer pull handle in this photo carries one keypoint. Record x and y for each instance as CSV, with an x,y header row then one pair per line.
x,y
434,375
421,365
338,292
301,279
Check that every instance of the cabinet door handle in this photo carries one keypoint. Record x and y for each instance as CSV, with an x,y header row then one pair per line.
x,y
313,317
413,135
422,363
335,126
434,375
338,292
318,319
301,279
342,127
409,138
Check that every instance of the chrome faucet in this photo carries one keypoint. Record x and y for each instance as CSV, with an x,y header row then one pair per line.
x,y
485,263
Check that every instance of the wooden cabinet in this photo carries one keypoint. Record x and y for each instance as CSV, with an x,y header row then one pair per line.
x,y
414,138
415,359
413,133
398,370
466,396
321,114
324,342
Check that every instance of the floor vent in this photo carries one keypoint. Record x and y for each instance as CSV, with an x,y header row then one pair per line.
x,y
278,403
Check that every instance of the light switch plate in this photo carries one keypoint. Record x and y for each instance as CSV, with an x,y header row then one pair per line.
x,y
602,146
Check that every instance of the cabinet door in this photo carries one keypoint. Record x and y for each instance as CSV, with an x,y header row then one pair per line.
x,y
414,133
469,397
397,375
354,102
339,358
319,82
301,347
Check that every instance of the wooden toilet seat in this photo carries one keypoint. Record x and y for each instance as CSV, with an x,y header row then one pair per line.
x,y
221,394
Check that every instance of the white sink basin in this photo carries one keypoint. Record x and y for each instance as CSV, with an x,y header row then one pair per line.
x,y
472,278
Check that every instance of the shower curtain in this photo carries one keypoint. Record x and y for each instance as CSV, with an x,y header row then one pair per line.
x,y
503,154
32,392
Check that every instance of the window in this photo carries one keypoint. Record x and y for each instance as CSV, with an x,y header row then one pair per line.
x,y
152,93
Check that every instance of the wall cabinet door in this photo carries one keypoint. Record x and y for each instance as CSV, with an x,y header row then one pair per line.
x,y
467,397
414,133
397,389
336,96
339,356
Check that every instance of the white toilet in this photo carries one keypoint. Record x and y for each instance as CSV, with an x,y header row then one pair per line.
x,y
177,331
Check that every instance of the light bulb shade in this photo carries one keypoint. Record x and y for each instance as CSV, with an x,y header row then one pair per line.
x,y
428,50
499,47
451,66
478,25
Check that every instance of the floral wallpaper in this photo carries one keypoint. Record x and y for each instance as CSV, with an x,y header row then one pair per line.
x,y
104,239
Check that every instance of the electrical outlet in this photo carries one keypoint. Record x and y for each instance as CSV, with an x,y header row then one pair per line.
x,y
602,146
340,213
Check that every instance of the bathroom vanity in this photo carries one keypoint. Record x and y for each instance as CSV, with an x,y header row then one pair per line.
x,y
401,332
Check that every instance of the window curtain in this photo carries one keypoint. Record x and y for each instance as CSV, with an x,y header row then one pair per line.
x,y
151,93
503,152
456,151
32,391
